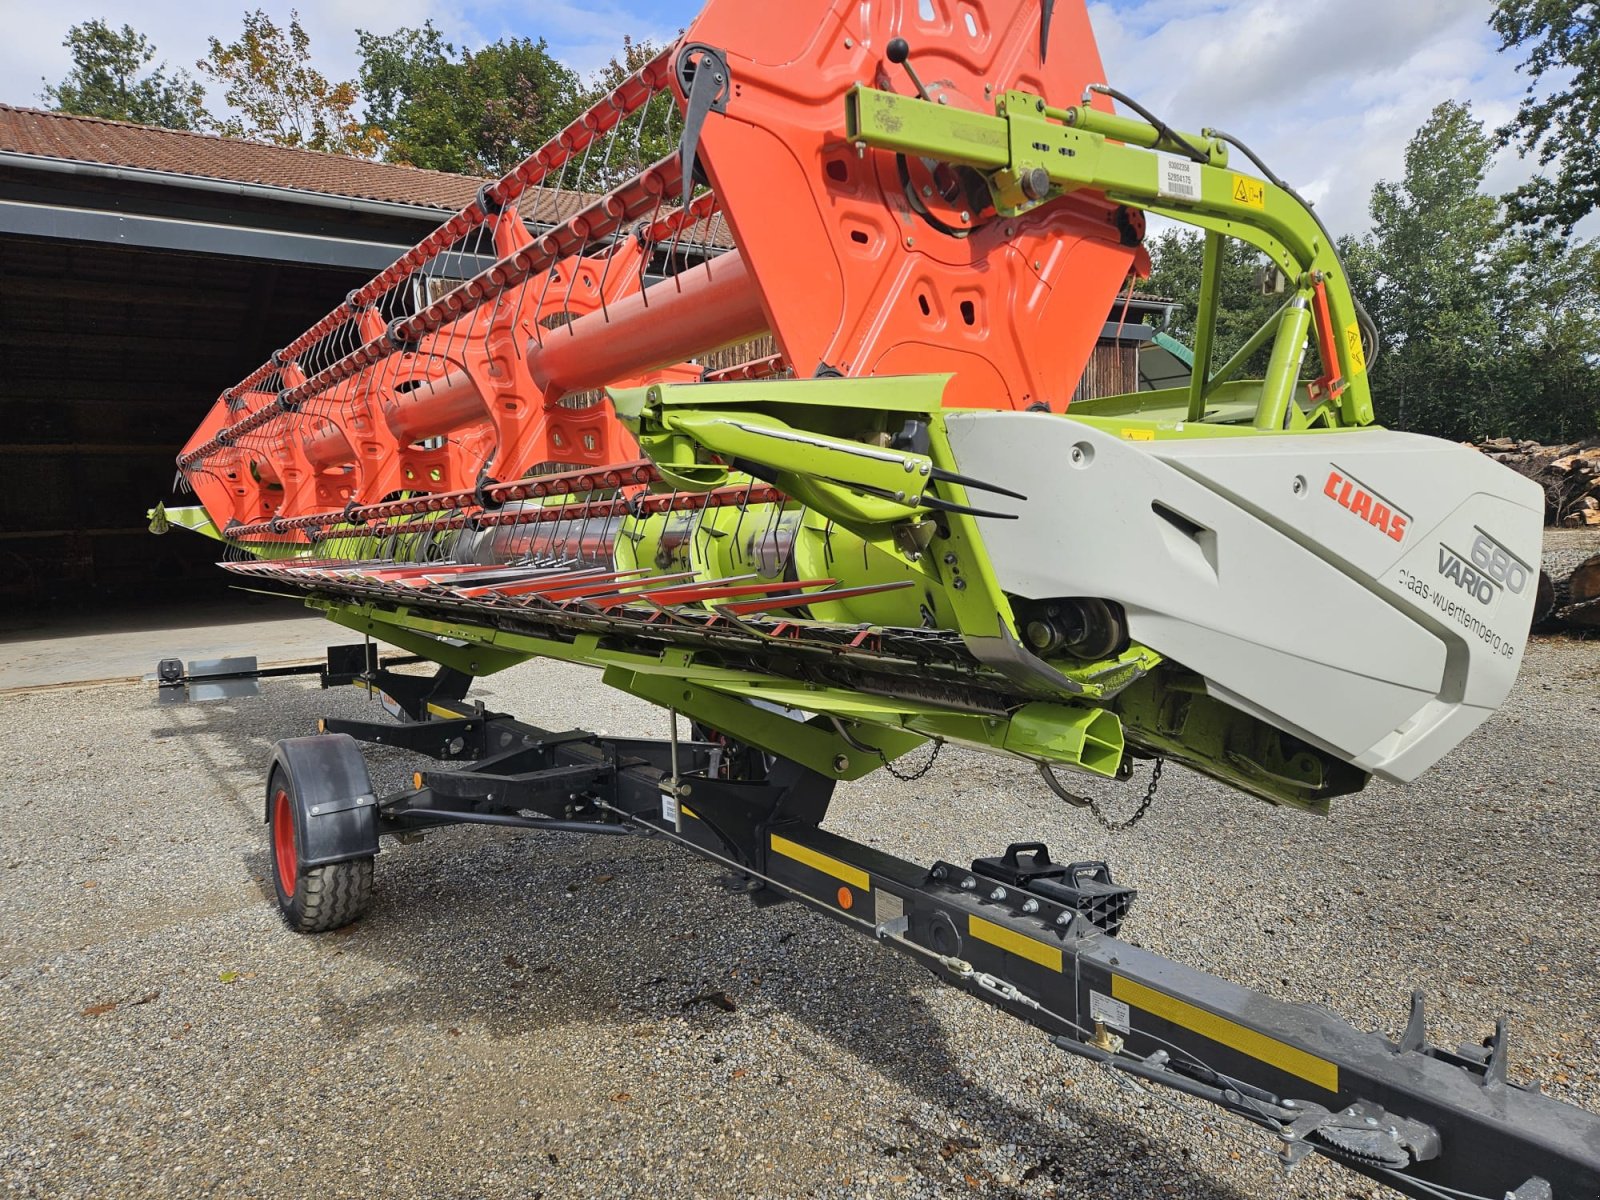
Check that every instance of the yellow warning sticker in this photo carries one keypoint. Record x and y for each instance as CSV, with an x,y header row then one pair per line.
x,y
1353,350
1249,191
1139,435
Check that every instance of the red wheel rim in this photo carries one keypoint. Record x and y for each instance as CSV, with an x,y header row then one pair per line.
x,y
283,842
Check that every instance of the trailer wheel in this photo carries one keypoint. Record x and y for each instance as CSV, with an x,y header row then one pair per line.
x,y
311,899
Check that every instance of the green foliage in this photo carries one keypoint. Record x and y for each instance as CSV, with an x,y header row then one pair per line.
x,y
647,136
1561,125
1551,309
106,81
476,112
393,67
1176,256
1491,330
267,77
1430,270
480,112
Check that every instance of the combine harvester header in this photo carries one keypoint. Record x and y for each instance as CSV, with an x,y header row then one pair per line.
x,y
888,525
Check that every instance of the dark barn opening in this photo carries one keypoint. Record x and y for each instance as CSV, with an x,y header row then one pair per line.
x,y
141,272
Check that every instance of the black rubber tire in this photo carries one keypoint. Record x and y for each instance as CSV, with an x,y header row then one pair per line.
x,y
323,898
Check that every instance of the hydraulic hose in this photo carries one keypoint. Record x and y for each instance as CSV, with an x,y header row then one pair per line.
x,y
1369,327
1161,127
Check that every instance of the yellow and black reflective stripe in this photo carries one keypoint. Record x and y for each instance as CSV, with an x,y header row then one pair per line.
x,y
1259,1046
818,861
1015,943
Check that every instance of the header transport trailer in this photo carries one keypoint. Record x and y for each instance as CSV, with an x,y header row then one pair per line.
x,y
526,439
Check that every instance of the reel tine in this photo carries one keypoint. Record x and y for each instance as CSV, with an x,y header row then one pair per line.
x,y
934,502
767,604
943,476
927,501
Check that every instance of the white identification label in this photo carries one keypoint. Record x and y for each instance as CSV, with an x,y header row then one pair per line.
x,y
887,906
1177,178
1113,1013
669,808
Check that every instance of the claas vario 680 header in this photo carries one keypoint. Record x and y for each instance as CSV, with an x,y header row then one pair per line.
x,y
889,526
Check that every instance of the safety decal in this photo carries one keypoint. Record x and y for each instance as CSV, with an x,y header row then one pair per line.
x,y
1248,191
1353,350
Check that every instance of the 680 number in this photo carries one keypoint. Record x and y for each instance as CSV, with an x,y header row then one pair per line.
x,y
1492,560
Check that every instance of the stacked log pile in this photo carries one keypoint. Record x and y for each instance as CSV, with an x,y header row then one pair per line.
x,y
1570,476
1569,583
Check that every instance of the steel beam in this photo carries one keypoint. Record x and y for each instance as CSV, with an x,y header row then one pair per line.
x,y
1426,1121
192,237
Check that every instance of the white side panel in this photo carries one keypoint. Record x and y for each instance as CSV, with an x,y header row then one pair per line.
x,y
1449,499
1248,561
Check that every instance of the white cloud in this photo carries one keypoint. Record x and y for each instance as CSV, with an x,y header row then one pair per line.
x,y
32,47
1328,92
584,35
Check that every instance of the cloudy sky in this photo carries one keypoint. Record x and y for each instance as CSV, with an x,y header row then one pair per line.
x,y
1327,91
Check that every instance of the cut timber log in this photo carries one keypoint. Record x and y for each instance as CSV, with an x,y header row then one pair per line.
x,y
1569,591
1581,616
1544,601
1585,512
1584,583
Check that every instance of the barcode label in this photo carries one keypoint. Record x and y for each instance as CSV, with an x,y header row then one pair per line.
x,y
887,906
1176,178
669,807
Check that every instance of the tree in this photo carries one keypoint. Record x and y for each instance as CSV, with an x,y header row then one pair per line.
x,y
1551,311
1561,126
279,97
106,81
395,69
649,136
1432,270
476,112
1176,257
1490,328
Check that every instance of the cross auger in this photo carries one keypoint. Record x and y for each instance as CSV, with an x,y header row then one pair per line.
x,y
753,390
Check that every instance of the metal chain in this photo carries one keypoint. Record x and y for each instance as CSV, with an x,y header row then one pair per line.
x,y
1111,826
1093,805
907,777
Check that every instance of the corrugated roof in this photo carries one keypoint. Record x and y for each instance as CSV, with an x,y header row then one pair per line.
x,y
204,155
207,156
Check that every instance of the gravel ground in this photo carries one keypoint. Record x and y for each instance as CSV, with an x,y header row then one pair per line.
x,y
530,1017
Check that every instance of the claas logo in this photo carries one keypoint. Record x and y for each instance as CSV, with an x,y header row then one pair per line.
x,y
1363,502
